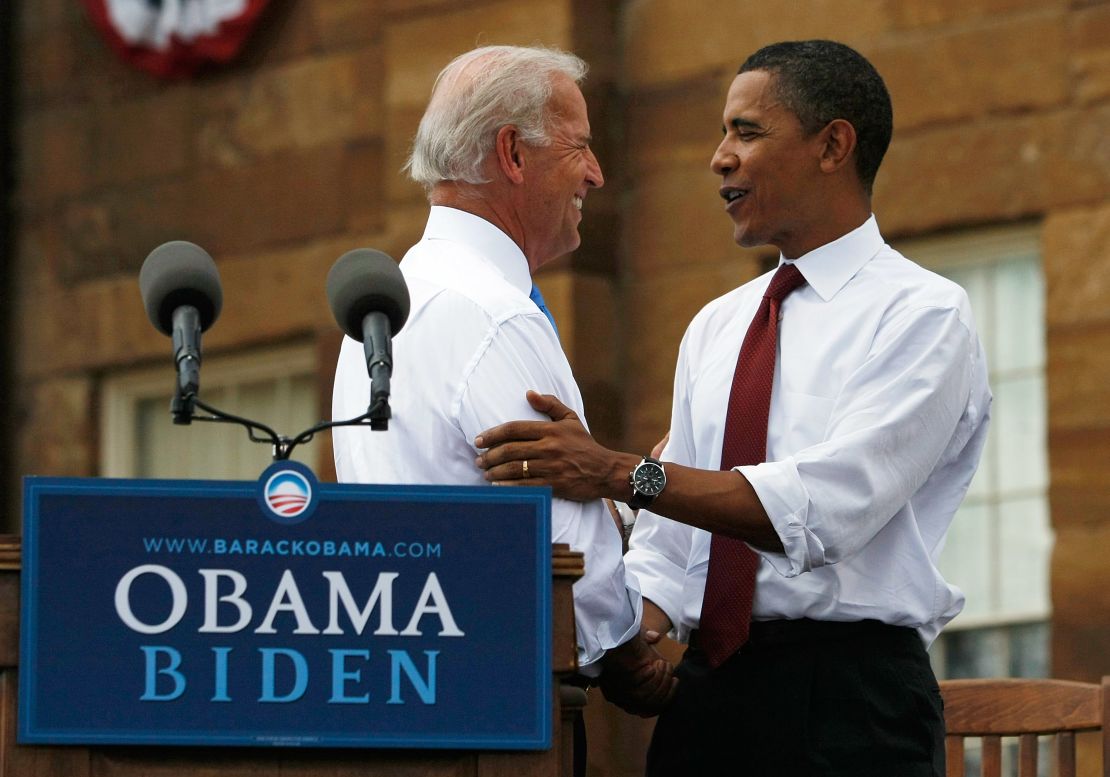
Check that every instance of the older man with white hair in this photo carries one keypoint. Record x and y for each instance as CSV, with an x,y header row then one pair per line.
x,y
503,151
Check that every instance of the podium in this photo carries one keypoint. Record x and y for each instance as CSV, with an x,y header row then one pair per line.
x,y
17,760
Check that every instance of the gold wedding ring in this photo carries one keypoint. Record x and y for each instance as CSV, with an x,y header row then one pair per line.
x,y
526,469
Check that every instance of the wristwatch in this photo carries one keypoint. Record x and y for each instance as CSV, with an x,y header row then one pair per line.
x,y
647,480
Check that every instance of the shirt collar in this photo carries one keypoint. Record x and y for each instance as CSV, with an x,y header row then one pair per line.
x,y
828,268
484,238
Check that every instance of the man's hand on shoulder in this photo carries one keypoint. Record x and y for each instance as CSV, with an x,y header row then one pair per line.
x,y
559,453
637,679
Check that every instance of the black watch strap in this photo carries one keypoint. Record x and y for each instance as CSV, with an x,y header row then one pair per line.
x,y
640,501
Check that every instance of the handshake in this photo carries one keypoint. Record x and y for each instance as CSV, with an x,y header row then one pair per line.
x,y
636,678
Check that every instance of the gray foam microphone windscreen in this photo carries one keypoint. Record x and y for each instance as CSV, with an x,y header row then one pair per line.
x,y
365,281
180,273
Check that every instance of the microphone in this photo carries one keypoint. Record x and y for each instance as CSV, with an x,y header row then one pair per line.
x,y
370,302
182,296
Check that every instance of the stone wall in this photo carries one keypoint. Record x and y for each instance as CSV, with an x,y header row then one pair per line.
x,y
291,156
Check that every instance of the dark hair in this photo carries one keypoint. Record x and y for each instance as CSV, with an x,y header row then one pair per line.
x,y
821,80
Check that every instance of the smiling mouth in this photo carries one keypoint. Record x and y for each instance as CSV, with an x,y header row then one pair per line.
x,y
578,203
732,195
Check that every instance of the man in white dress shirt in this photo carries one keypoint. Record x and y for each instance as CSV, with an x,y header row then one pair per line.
x,y
503,151
877,417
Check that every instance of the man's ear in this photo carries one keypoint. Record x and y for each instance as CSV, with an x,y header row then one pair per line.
x,y
838,141
507,147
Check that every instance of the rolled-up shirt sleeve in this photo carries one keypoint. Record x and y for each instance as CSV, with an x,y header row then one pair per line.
x,y
894,420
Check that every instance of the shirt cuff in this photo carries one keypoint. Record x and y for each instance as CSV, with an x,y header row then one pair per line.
x,y
610,634
786,501
663,587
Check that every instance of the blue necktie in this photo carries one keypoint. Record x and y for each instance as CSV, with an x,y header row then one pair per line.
x,y
536,297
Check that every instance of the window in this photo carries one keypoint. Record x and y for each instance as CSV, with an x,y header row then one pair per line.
x,y
139,438
999,544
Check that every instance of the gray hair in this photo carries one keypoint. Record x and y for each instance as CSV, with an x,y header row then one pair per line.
x,y
473,97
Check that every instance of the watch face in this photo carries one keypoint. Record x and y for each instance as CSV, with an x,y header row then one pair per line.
x,y
648,479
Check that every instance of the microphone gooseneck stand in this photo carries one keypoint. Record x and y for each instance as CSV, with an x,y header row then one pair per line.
x,y
182,295
182,407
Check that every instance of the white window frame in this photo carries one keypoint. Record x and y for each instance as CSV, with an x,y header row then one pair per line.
x,y
122,393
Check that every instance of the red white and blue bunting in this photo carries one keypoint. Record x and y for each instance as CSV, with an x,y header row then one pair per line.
x,y
174,38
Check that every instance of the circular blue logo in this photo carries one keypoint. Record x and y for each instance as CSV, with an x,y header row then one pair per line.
x,y
288,492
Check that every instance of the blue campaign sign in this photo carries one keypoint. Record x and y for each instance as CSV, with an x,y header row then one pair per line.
x,y
285,612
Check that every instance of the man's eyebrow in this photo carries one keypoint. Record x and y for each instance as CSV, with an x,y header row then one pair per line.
x,y
741,123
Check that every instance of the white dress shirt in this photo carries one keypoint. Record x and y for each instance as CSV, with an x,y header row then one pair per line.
x,y
879,412
473,345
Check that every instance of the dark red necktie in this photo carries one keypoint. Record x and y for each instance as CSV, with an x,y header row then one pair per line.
x,y
726,610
